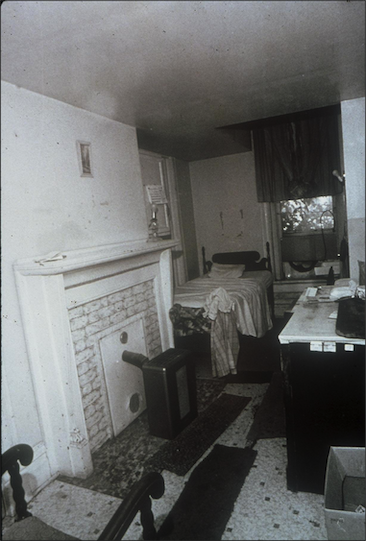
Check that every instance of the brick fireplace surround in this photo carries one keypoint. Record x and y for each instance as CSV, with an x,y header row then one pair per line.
x,y
70,302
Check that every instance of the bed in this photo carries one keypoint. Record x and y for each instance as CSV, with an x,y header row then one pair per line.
x,y
234,295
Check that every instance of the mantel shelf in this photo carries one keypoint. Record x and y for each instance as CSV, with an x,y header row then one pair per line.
x,y
68,261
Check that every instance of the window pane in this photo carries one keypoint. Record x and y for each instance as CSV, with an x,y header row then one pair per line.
x,y
307,215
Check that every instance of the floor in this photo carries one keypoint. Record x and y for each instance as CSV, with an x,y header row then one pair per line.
x,y
265,509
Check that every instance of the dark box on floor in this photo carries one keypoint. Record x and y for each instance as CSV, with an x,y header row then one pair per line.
x,y
345,493
170,389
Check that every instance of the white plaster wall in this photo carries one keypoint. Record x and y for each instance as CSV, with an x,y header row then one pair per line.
x,y
47,206
226,185
353,131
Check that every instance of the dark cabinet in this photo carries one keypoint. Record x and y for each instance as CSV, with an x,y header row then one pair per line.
x,y
324,401
324,386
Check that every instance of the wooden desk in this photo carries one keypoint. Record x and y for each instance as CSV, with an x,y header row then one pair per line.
x,y
324,390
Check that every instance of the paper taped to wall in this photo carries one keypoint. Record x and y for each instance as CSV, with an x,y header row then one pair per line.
x,y
156,194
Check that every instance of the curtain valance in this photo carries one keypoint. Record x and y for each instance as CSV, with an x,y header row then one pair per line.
x,y
295,159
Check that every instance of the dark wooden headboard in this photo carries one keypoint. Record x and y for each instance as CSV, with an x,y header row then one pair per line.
x,y
251,259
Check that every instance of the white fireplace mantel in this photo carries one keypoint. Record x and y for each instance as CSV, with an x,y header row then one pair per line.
x,y
68,261
45,285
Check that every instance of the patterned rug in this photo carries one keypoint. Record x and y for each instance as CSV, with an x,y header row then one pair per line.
x,y
180,454
120,462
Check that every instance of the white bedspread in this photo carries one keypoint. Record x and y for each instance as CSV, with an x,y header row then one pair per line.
x,y
249,295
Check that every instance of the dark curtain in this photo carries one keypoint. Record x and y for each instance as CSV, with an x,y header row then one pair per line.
x,y
295,160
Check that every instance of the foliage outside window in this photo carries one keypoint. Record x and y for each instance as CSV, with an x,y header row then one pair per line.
x,y
307,215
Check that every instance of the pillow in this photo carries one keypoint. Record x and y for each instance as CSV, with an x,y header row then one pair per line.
x,y
219,270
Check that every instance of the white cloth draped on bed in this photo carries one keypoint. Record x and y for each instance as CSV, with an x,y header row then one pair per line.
x,y
218,300
249,312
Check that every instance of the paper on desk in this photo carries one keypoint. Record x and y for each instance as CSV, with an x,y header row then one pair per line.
x,y
343,292
333,315
311,292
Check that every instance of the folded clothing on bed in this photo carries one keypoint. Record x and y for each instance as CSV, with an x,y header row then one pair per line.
x,y
188,320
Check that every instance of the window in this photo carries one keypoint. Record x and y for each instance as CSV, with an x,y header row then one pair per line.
x,y
308,232
154,180
306,216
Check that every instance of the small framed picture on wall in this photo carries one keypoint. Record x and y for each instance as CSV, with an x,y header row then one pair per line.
x,y
84,158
